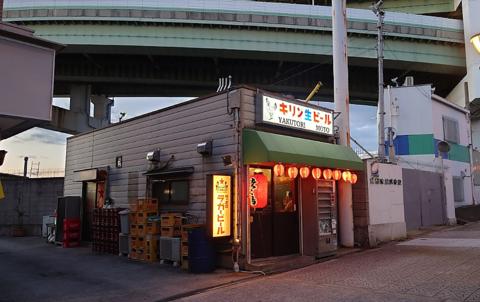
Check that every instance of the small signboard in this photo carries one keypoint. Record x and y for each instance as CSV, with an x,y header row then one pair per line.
x,y
219,208
283,112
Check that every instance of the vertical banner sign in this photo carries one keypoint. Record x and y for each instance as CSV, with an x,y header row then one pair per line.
x,y
258,191
221,205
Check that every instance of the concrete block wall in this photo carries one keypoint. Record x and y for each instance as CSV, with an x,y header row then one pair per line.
x,y
38,198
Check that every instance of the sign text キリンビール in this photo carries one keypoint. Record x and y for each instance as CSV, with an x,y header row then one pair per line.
x,y
292,114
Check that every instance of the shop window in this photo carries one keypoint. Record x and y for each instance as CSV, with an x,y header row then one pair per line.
x,y
458,195
171,191
450,130
284,194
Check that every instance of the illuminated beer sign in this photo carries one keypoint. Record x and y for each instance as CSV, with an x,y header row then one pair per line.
x,y
221,205
294,114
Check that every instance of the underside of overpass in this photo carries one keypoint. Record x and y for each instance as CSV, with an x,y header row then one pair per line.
x,y
173,74
173,48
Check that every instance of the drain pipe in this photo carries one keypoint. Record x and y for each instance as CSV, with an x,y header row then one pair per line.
x,y
237,187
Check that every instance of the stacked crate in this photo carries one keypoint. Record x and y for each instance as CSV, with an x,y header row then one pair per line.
x,y
144,230
185,229
170,245
171,225
71,232
105,230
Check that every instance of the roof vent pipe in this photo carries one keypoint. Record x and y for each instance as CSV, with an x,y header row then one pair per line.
x,y
408,81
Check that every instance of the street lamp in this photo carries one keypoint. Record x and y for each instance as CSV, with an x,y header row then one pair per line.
x,y
475,40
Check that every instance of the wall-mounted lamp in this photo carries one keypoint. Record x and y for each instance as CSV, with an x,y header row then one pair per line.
x,y
205,148
227,160
153,156
475,40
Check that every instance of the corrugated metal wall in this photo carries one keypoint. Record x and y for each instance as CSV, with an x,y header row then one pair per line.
x,y
176,132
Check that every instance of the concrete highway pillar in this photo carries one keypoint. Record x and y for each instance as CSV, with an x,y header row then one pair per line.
x,y
102,107
80,99
342,103
471,27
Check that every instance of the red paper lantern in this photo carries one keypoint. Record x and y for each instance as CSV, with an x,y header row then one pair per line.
x,y
292,172
279,170
337,174
346,176
258,191
327,174
304,172
354,178
317,173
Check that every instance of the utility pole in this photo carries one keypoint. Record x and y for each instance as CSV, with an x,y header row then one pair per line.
x,y
342,103
380,13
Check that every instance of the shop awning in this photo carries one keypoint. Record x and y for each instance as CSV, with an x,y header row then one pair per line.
x,y
259,147
182,171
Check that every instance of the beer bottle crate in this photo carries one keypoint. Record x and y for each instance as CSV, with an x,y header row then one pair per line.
x,y
171,219
144,204
142,216
185,262
137,229
151,244
133,230
153,227
137,242
184,248
153,257
171,231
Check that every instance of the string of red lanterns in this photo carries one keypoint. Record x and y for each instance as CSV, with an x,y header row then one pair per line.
x,y
317,173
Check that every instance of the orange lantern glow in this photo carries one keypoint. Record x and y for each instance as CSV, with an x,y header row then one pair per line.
x,y
317,173
279,170
337,174
258,191
353,178
327,174
292,172
346,176
304,172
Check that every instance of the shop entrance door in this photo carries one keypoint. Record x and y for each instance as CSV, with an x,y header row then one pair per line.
x,y
88,204
274,229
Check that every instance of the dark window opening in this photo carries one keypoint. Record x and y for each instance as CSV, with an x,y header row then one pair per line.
x,y
170,191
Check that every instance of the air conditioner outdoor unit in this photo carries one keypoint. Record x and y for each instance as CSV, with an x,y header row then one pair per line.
x,y
170,249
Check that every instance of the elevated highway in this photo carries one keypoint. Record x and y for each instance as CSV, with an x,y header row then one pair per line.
x,y
181,48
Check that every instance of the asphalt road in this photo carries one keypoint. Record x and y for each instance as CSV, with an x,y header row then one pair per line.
x,y
32,270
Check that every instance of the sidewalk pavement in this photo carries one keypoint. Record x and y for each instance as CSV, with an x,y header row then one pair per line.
x,y
428,268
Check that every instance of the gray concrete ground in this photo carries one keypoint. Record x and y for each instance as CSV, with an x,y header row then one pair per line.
x,y
31,270
439,266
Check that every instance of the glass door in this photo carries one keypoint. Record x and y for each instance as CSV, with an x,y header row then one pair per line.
x,y
261,219
274,228
285,216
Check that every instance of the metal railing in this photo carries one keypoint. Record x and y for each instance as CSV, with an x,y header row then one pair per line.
x,y
360,150
45,173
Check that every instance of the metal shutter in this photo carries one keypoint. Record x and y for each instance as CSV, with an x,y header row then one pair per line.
x,y
458,189
450,130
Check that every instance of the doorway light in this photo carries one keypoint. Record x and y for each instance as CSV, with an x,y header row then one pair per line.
x,y
475,40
